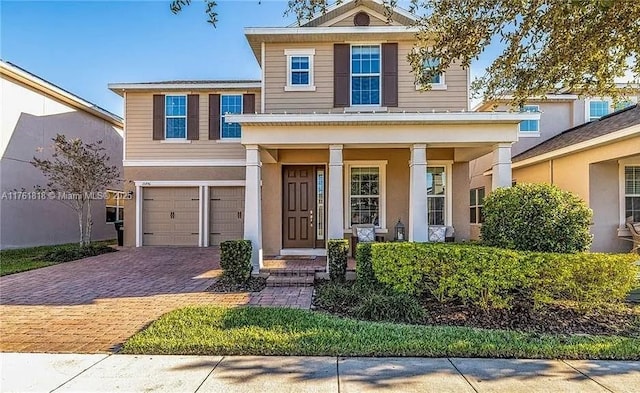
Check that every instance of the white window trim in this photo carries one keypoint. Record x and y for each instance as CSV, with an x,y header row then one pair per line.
x,y
448,192
530,134
435,86
612,108
186,125
379,74
622,164
119,195
382,168
223,118
310,53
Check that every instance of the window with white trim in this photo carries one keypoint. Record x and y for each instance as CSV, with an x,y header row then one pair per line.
x,y
632,193
230,104
175,117
530,125
300,69
622,104
115,206
365,195
436,195
365,75
430,64
597,109
476,205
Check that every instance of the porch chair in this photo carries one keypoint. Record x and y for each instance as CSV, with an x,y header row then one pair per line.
x,y
363,233
441,233
634,228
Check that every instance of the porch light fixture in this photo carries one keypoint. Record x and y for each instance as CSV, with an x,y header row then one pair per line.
x,y
399,232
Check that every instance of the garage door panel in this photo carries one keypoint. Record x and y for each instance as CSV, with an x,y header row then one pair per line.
x,y
160,226
226,214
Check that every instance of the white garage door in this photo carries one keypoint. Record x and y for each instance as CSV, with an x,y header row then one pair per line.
x,y
226,214
170,216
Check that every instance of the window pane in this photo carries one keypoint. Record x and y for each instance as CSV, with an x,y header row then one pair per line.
x,y
365,181
435,208
472,215
364,210
365,60
623,104
428,65
230,104
632,209
111,214
300,78
632,180
598,109
480,215
176,106
176,127
435,181
300,63
481,196
472,197
120,214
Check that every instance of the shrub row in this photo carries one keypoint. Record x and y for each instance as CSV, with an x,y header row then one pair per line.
x,y
71,254
338,252
491,277
235,260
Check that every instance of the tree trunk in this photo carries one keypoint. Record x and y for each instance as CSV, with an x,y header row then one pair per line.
x,y
80,212
88,226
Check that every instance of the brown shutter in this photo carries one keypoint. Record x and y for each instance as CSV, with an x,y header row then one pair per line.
x,y
341,68
390,74
193,117
214,116
248,103
158,117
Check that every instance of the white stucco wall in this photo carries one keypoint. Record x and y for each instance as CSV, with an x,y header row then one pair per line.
x,y
29,120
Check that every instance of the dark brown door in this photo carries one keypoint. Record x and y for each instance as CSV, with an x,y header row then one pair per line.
x,y
298,206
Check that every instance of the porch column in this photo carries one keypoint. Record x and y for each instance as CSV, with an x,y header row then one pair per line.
x,y
335,208
501,166
418,194
253,206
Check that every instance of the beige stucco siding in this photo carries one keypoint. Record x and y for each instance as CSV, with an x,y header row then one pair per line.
x,y
593,175
139,132
277,100
132,174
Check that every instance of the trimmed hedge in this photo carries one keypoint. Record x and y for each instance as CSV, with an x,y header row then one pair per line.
x,y
364,269
490,277
235,260
536,217
338,251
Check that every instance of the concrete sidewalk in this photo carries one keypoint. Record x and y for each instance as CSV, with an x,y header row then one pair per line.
x,y
23,372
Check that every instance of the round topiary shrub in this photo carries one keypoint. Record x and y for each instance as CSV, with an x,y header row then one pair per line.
x,y
536,217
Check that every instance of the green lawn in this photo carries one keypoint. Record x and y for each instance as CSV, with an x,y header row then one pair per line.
x,y
23,259
209,330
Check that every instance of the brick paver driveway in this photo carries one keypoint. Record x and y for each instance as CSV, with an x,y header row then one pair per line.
x,y
93,305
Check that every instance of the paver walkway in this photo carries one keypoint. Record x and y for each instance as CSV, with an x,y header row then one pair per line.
x,y
130,373
95,304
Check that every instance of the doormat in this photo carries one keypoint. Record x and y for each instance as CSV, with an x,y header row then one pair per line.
x,y
296,257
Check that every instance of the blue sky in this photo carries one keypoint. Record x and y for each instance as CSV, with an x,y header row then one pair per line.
x,y
82,46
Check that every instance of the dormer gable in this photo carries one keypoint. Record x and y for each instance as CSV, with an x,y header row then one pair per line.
x,y
361,13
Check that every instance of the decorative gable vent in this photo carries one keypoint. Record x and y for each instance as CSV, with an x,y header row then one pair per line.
x,y
361,19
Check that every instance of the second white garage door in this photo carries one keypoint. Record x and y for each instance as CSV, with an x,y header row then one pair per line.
x,y
170,216
226,214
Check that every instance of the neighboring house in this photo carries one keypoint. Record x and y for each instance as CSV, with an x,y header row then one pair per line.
x,y
32,112
558,112
600,162
336,133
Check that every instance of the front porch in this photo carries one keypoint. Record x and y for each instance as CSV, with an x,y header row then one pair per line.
x,y
309,180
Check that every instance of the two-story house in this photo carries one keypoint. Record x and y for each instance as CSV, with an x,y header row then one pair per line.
x,y
336,133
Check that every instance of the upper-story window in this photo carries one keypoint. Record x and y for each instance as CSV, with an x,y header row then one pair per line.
x,y
300,69
530,125
230,104
430,64
365,75
176,117
597,109
623,104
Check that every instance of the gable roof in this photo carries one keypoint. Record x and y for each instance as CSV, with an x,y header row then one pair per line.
x,y
616,121
25,77
120,88
400,15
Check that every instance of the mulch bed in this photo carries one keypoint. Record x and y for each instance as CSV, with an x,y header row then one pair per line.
x,y
224,285
553,318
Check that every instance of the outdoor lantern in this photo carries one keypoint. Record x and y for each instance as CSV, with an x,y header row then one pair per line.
x,y
399,236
